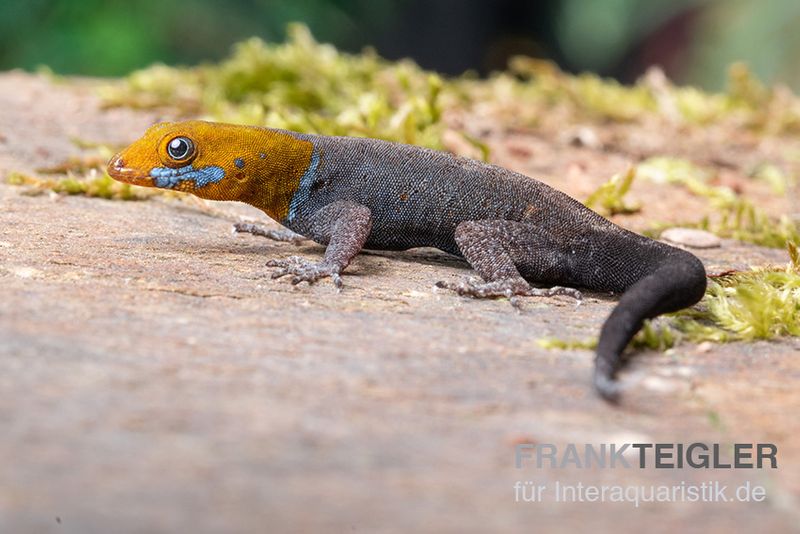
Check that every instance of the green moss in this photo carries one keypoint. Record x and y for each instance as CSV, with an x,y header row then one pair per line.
x,y
652,336
554,343
655,335
607,99
608,199
588,95
698,107
93,184
77,165
759,304
667,170
744,221
735,217
778,180
744,88
483,148
715,421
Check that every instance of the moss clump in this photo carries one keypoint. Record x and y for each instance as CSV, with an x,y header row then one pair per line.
x,y
300,85
735,217
554,343
93,184
76,165
585,96
778,180
757,304
746,103
608,199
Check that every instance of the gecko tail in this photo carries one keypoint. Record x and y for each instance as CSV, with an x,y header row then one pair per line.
x,y
678,281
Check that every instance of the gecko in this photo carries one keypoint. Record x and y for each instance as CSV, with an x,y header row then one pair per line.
x,y
521,236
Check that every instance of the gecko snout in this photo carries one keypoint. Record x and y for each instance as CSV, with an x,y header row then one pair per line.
x,y
117,170
116,165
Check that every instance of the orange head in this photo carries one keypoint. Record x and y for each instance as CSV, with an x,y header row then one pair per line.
x,y
218,161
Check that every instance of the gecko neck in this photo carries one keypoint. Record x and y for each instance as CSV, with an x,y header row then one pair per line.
x,y
277,170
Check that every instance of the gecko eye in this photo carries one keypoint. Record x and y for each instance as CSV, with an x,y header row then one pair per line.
x,y
180,148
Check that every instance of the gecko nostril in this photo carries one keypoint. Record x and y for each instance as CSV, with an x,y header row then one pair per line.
x,y
116,163
116,166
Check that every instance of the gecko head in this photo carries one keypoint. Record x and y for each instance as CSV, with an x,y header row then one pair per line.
x,y
216,161
198,157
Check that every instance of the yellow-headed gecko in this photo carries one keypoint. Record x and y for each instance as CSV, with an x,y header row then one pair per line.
x,y
353,193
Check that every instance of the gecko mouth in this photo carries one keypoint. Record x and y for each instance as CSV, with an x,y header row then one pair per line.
x,y
118,171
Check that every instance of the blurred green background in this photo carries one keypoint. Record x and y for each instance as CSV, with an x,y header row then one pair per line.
x,y
693,40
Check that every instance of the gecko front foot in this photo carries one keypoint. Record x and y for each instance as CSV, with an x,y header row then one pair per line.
x,y
509,288
303,270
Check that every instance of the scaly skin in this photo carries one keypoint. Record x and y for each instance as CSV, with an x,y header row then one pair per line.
x,y
352,193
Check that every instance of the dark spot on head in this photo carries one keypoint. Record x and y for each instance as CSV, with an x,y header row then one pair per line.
x,y
239,162
239,176
318,184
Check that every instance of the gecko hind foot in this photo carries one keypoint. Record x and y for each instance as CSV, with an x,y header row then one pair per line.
x,y
303,270
476,288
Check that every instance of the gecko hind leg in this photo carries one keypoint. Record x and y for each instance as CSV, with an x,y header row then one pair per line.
x,y
497,250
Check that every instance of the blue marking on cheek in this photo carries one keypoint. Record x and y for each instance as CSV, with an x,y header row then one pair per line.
x,y
239,162
304,190
168,178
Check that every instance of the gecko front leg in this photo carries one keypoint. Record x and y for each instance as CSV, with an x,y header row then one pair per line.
x,y
344,227
282,234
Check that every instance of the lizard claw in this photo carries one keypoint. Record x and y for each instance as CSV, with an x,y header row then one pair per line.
x,y
303,270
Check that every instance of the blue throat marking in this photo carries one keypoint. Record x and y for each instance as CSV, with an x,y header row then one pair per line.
x,y
304,190
168,178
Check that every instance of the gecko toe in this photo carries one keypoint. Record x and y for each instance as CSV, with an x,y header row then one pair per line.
x,y
564,291
337,281
508,288
303,270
